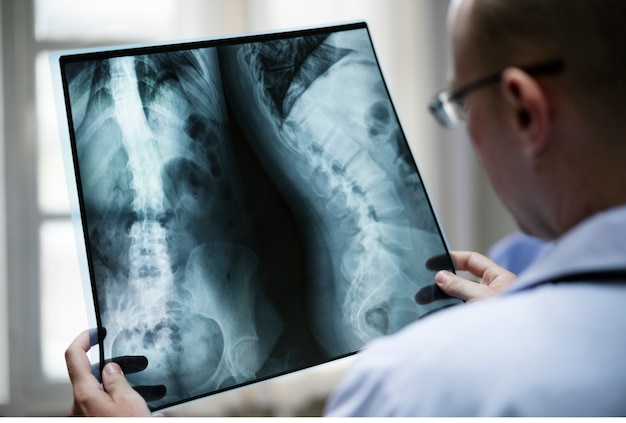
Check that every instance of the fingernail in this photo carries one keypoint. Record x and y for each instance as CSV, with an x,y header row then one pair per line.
x,y
442,277
112,368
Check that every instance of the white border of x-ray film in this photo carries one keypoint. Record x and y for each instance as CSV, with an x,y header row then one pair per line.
x,y
72,192
69,162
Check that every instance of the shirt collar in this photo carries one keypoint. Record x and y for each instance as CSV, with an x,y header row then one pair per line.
x,y
596,244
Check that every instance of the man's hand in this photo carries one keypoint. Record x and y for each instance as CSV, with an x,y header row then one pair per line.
x,y
493,278
114,397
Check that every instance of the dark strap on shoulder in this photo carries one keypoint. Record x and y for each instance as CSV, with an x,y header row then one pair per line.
x,y
608,276
613,276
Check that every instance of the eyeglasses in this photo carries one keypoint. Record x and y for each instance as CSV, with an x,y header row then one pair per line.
x,y
447,106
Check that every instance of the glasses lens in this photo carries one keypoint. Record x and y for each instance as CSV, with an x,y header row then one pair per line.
x,y
448,113
458,109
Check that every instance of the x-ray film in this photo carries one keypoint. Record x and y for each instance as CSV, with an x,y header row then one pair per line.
x,y
249,205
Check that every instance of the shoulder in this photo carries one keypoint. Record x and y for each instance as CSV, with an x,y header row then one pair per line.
x,y
517,251
403,374
498,357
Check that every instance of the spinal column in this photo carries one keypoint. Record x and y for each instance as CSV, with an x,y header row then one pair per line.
x,y
326,130
168,240
150,269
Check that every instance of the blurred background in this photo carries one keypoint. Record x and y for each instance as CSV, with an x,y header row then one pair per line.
x,y
42,305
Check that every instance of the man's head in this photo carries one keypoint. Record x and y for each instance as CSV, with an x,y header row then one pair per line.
x,y
544,138
589,35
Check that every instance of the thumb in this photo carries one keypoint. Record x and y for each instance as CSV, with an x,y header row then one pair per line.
x,y
458,287
127,400
114,381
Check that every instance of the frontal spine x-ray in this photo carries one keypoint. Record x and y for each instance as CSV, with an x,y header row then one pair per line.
x,y
249,209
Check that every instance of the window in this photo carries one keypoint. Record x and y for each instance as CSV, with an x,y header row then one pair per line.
x,y
113,20
44,303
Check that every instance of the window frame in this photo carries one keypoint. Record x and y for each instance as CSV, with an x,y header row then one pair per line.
x,y
31,392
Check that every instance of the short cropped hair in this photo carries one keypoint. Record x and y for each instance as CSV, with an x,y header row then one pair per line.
x,y
589,35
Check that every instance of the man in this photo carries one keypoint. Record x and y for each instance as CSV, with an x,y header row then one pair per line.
x,y
542,86
548,128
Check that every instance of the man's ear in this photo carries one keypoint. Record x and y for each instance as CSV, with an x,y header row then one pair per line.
x,y
527,108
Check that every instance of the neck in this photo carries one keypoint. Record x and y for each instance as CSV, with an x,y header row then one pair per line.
x,y
591,181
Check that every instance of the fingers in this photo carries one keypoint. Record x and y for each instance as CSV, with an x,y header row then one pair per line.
x,y
93,336
85,386
440,262
128,363
78,365
475,263
151,392
114,398
429,294
464,289
127,401
497,277
493,278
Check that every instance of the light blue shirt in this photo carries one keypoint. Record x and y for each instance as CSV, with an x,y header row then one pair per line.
x,y
540,349
517,251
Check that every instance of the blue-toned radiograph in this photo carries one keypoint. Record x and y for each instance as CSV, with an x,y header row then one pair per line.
x,y
168,234
334,146
249,209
